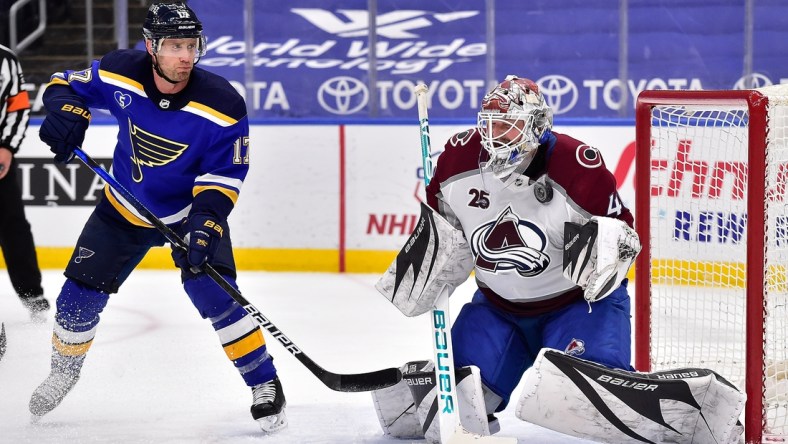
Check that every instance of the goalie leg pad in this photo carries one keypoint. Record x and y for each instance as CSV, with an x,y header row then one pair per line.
x,y
409,409
584,399
470,402
395,407
436,255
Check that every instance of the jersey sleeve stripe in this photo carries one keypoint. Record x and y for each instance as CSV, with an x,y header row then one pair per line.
x,y
57,80
208,179
209,113
231,194
122,82
18,102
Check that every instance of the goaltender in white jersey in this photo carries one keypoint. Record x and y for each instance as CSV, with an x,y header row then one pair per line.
x,y
536,215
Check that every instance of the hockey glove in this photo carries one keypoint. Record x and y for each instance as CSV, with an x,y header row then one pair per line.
x,y
597,255
63,129
203,234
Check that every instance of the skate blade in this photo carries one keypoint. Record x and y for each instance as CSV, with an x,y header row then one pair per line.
x,y
273,423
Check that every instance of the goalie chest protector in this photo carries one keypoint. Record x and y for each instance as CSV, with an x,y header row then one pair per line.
x,y
515,228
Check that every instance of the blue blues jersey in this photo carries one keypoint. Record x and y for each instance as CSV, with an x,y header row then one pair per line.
x,y
170,148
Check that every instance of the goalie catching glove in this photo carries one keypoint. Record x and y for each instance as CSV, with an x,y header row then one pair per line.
x,y
597,255
435,256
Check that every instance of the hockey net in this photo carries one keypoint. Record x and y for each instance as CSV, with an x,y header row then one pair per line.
x,y
712,212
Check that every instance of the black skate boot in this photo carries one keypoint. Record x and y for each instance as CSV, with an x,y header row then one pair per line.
x,y
2,341
268,406
64,374
37,305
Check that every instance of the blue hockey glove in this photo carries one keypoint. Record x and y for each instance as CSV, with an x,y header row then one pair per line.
x,y
63,129
203,233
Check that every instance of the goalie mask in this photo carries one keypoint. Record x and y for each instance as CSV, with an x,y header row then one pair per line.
x,y
514,120
173,21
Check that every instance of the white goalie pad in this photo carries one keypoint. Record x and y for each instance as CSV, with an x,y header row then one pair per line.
x,y
409,409
435,256
597,255
587,400
395,407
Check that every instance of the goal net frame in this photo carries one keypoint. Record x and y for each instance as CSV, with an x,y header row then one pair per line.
x,y
754,273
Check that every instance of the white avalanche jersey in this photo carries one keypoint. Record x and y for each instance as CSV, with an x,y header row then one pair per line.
x,y
516,233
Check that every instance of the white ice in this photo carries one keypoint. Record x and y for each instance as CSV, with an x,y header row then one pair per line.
x,y
157,374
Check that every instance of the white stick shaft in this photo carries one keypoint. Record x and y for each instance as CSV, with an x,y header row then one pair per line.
x,y
424,128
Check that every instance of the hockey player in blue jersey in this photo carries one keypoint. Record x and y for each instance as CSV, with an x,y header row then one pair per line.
x,y
183,151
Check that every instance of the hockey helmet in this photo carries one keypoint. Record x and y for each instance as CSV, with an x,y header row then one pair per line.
x,y
172,21
513,121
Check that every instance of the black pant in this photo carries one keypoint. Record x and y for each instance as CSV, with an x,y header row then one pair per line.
x,y
16,239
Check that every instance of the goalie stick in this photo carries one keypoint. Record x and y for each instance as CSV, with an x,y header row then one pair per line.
x,y
358,382
451,430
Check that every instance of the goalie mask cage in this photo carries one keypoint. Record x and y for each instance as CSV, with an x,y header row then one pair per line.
x,y
712,213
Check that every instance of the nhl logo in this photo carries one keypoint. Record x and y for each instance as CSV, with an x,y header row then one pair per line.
x,y
164,104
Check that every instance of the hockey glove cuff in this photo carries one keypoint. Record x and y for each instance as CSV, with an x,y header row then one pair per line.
x,y
63,129
203,234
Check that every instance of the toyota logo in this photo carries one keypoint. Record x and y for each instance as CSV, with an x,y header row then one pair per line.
x,y
559,92
753,81
343,95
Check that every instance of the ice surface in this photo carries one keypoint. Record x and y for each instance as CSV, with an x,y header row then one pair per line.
x,y
156,372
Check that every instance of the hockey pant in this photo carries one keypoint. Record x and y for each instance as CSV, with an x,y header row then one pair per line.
x,y
109,248
504,345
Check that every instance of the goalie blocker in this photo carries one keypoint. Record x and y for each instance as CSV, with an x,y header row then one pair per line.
x,y
435,255
587,400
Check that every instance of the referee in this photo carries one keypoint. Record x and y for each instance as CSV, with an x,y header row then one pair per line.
x,y
16,239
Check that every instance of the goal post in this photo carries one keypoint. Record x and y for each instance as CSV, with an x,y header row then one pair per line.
x,y
711,210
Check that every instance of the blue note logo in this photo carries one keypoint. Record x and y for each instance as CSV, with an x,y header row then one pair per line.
x,y
392,25
343,95
83,253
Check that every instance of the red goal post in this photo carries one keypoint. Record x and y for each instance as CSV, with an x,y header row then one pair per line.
x,y
712,213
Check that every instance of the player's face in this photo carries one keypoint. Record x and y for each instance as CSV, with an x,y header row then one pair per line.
x,y
176,58
506,131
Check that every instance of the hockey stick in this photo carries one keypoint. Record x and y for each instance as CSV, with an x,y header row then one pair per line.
x,y
451,429
360,382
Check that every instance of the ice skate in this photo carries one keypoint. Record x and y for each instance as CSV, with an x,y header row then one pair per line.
x,y
268,406
65,373
37,306
2,341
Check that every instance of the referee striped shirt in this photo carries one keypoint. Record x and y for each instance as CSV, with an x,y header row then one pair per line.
x,y
14,102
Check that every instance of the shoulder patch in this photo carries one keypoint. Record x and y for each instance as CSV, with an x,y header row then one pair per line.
x,y
462,139
588,156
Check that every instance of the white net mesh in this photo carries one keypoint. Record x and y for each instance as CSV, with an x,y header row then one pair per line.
x,y
699,247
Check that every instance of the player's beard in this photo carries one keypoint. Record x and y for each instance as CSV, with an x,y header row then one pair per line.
x,y
178,73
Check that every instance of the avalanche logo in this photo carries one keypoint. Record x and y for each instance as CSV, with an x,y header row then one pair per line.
x,y
576,347
392,25
510,243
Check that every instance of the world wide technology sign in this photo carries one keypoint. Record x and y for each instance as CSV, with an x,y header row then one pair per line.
x,y
311,58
